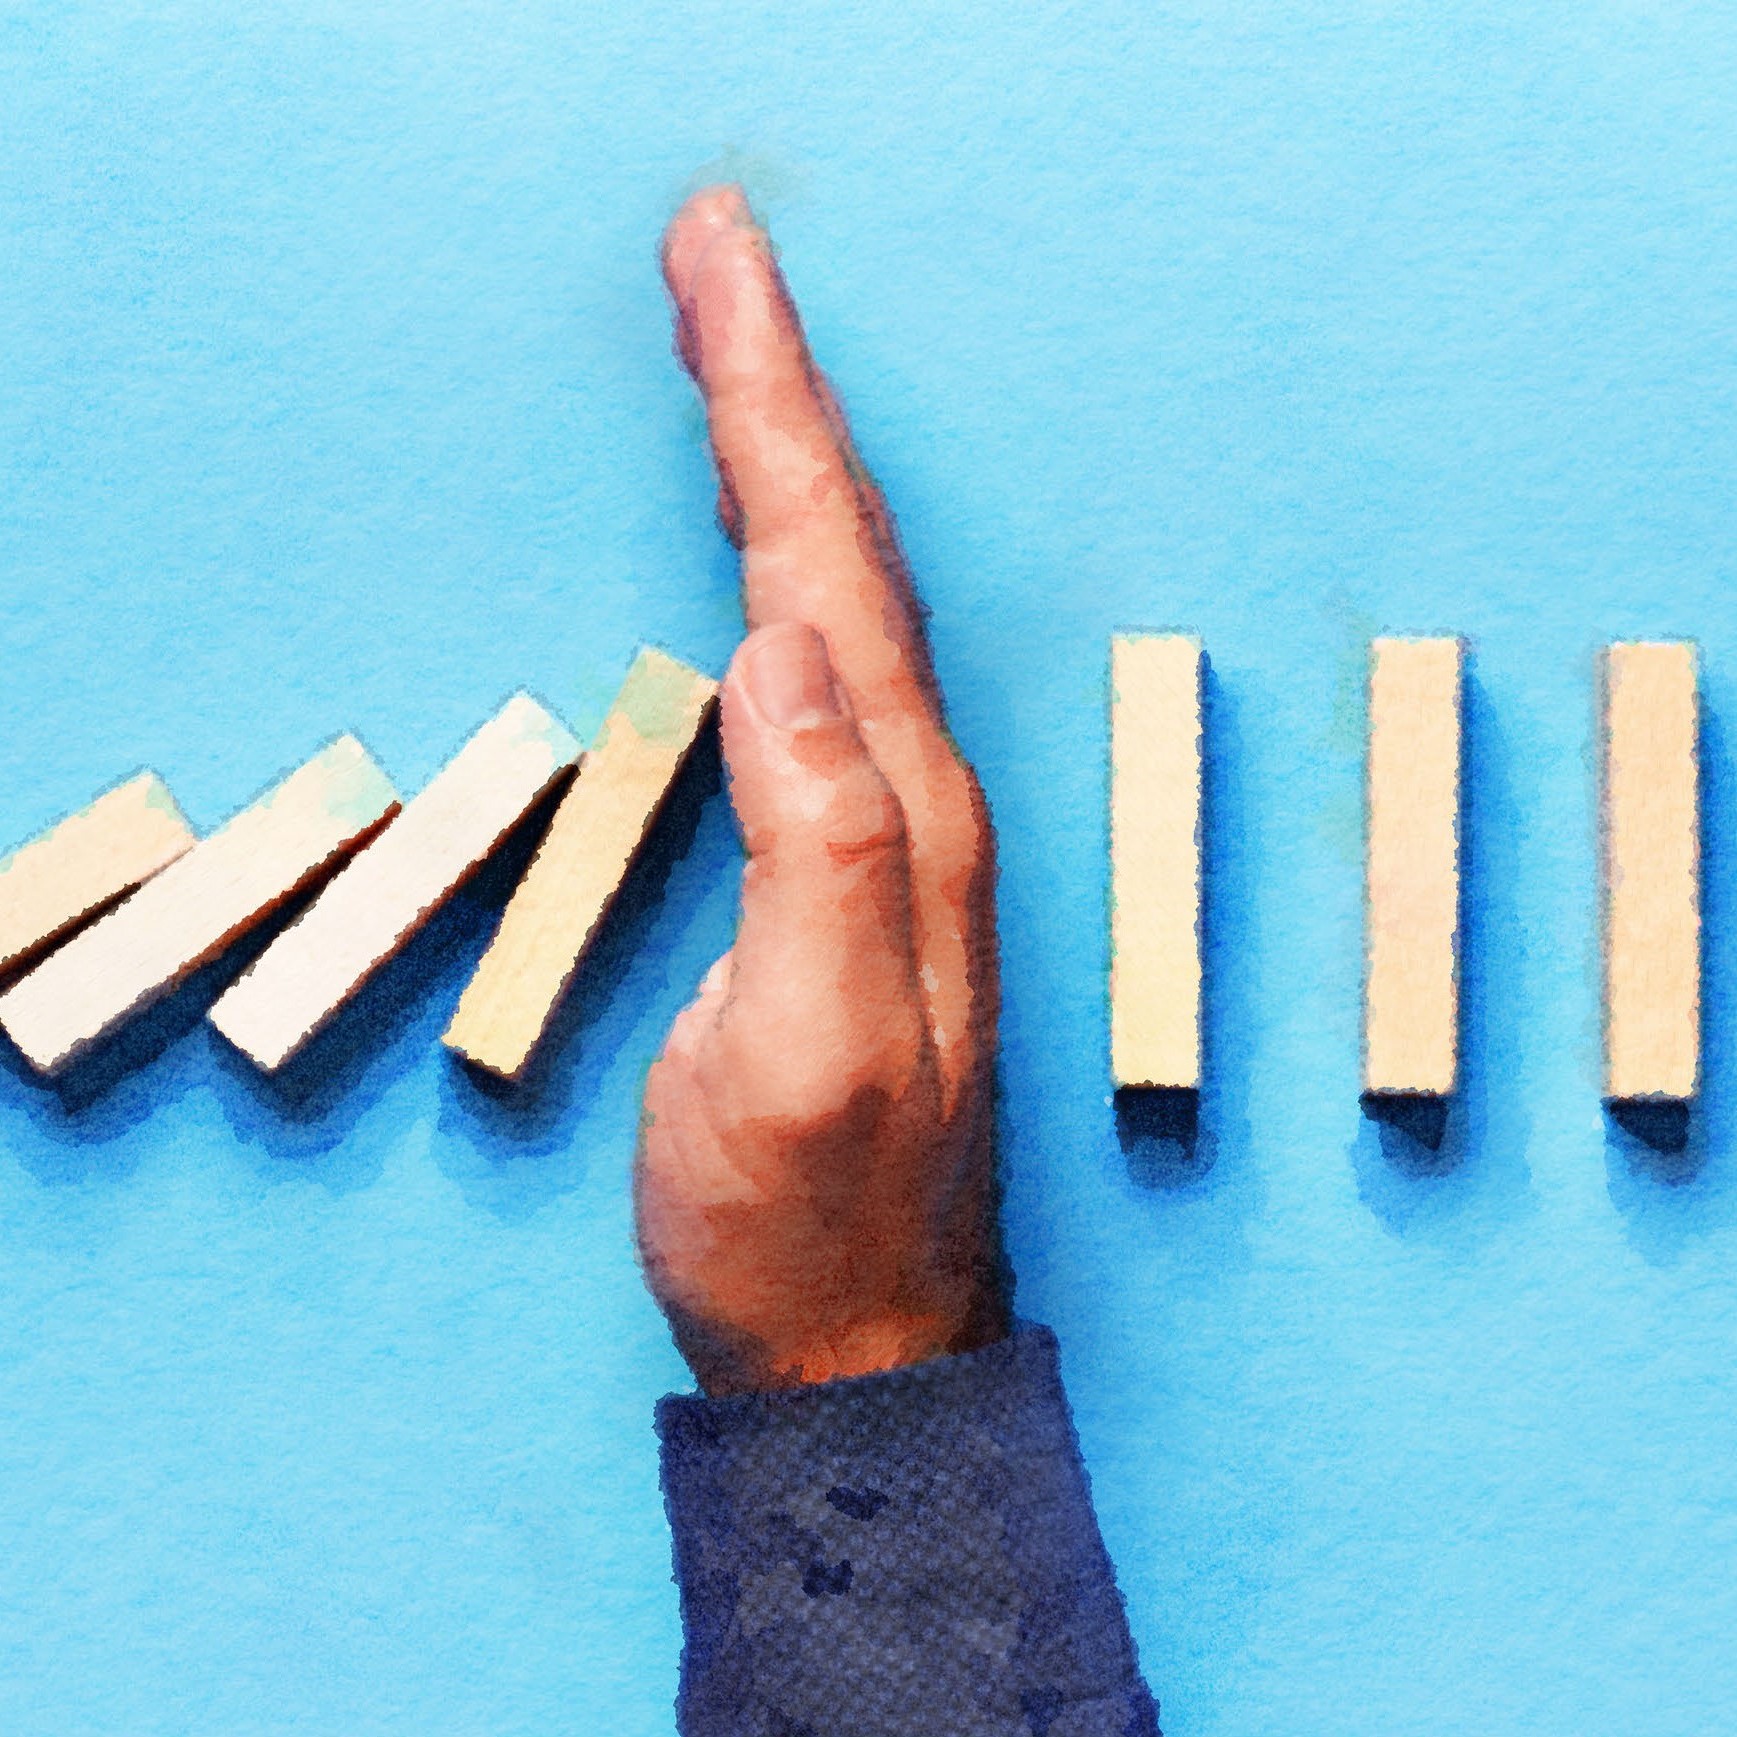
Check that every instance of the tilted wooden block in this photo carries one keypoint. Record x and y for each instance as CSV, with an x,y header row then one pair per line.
x,y
1651,852
1155,817
201,902
89,860
382,898
1412,888
598,829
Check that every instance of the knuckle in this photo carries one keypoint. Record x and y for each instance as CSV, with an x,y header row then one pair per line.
x,y
826,1094
863,823
958,837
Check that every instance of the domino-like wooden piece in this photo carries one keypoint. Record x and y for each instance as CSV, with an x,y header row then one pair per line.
x,y
1651,862
598,829
1412,884
1155,819
382,898
89,860
186,915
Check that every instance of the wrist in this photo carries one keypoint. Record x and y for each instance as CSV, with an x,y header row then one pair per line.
x,y
728,1362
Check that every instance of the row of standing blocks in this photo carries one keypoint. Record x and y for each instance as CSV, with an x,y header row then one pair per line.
x,y
182,900
1649,866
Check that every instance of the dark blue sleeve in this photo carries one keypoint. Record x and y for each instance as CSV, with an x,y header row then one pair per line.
x,y
913,1552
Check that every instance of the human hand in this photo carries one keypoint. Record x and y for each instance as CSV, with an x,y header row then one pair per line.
x,y
814,1184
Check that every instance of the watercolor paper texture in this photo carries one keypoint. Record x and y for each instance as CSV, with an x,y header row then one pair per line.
x,y
91,858
336,391
579,866
1155,794
1412,890
203,901
393,888
1652,871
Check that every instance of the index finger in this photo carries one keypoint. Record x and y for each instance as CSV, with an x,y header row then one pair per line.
x,y
817,543
818,547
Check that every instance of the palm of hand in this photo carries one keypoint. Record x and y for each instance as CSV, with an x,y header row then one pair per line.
x,y
814,1184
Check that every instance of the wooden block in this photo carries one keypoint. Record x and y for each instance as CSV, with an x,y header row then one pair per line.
x,y
382,898
596,832
201,902
1155,785
1412,887
89,860
1651,860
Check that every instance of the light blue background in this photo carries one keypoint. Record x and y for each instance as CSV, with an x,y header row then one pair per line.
x,y
336,392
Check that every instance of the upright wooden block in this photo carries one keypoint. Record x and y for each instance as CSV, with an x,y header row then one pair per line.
x,y
384,896
1651,852
596,832
89,860
1412,888
1155,817
201,902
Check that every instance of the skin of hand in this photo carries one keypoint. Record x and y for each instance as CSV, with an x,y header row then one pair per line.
x,y
814,1191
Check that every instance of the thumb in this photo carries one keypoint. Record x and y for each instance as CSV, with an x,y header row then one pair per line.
x,y
824,975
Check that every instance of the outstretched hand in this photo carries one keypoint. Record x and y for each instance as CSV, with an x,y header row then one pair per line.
x,y
814,1181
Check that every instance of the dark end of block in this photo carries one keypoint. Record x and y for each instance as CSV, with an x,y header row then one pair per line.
x,y
1659,1124
1421,1117
1159,1131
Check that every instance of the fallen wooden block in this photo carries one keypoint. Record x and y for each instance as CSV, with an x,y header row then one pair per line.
x,y
1651,862
201,902
1412,887
382,898
591,843
89,860
1155,818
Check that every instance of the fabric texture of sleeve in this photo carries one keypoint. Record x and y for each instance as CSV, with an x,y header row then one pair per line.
x,y
913,1552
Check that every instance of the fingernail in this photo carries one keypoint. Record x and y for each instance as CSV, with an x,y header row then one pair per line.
x,y
789,677
732,203
716,212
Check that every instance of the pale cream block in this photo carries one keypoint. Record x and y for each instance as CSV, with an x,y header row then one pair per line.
x,y
202,901
1412,888
1651,851
89,860
596,833
380,900
1155,819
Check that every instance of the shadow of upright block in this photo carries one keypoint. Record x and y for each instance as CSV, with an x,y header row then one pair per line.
x,y
1662,1125
1420,1118
1158,1128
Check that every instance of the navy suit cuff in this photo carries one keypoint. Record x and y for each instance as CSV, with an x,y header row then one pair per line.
x,y
907,1552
